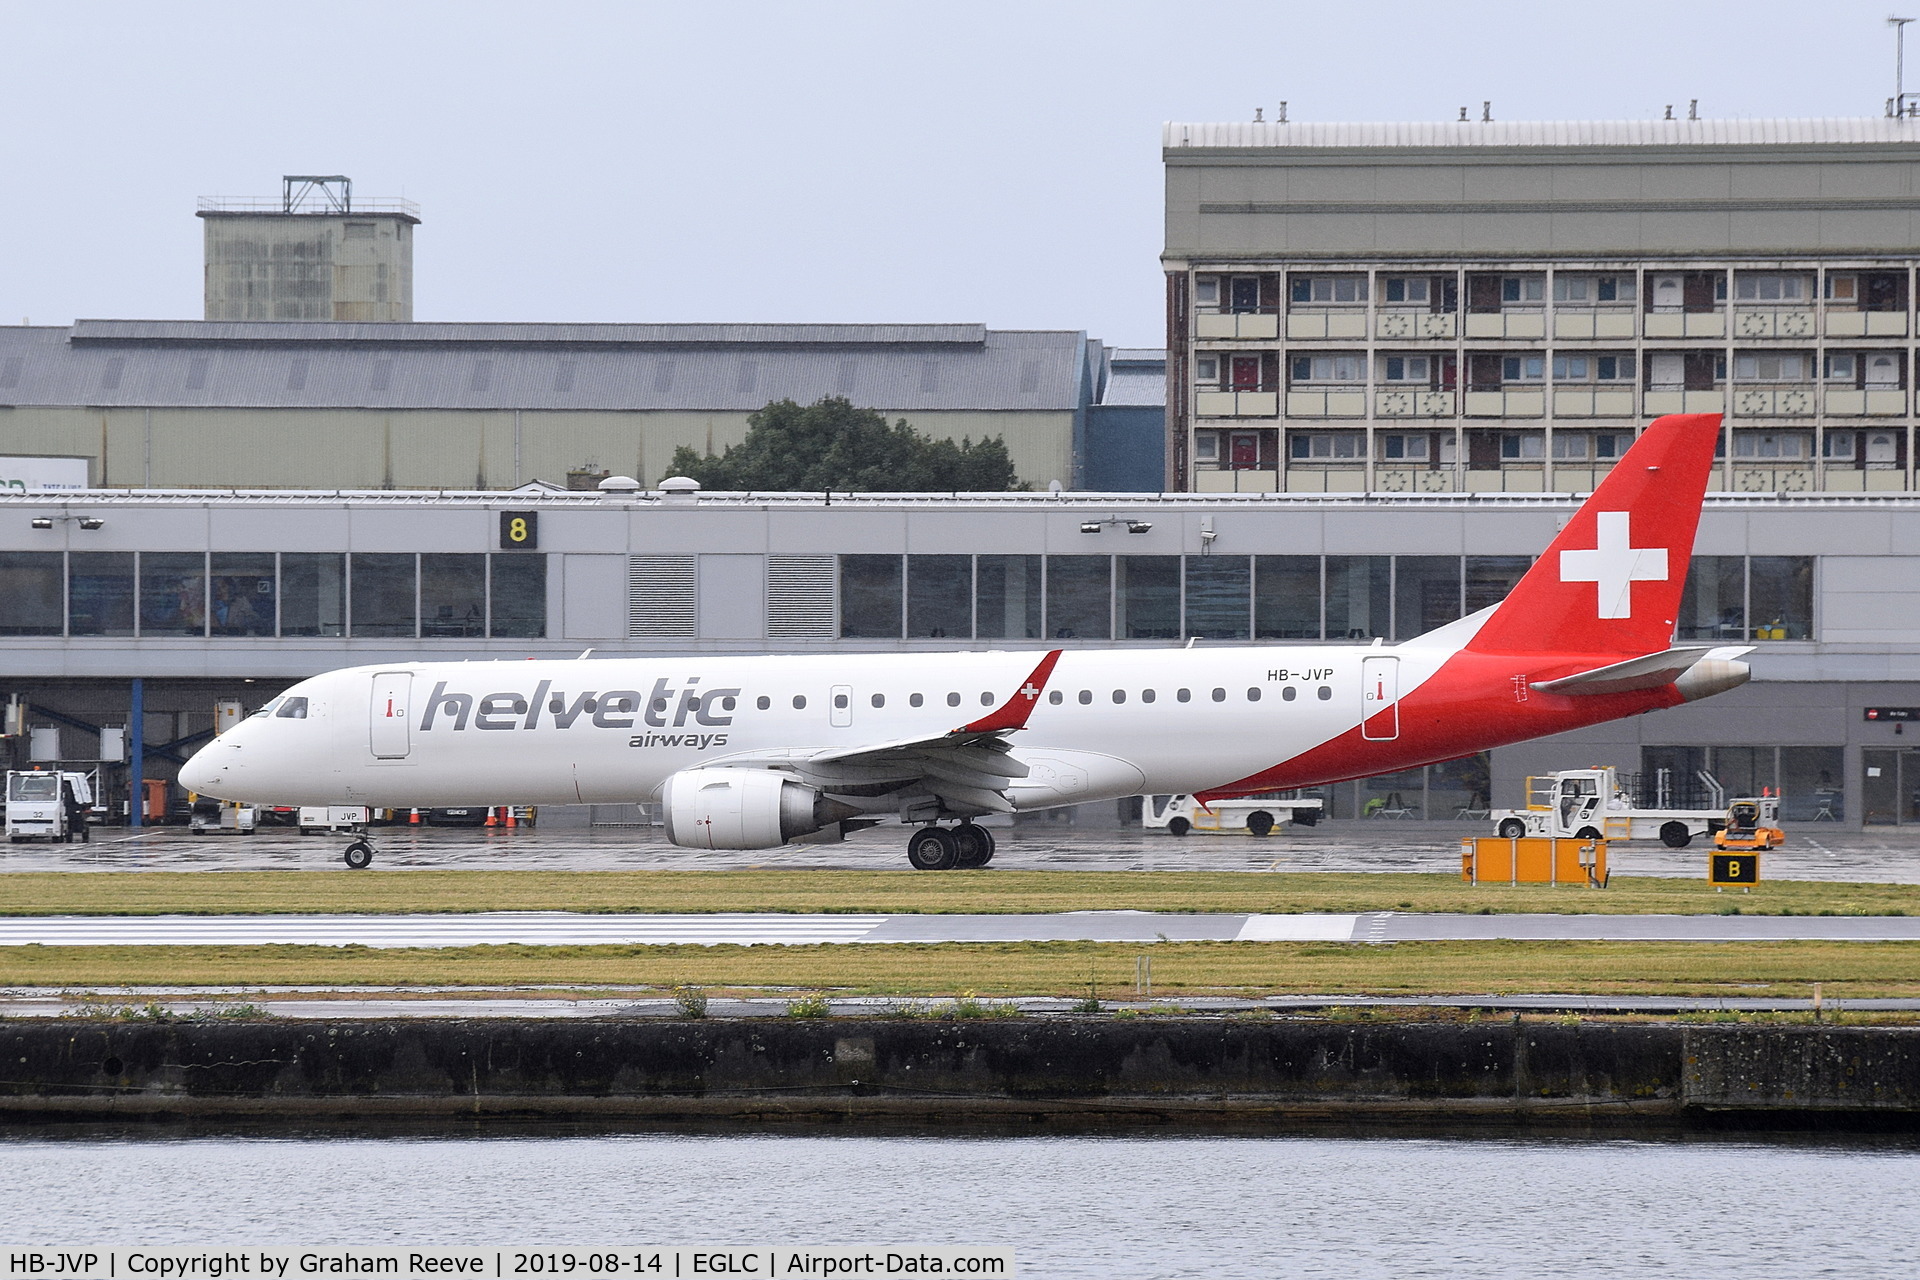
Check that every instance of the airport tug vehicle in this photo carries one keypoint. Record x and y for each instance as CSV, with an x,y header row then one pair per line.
x,y
37,807
1752,824
1590,803
1258,815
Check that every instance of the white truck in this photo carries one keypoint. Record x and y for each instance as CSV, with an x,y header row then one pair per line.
x,y
37,807
1260,815
1589,803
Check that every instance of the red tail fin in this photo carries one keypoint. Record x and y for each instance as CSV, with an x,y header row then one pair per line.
x,y
1611,581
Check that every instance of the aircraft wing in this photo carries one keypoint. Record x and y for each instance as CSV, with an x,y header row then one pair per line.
x,y
969,768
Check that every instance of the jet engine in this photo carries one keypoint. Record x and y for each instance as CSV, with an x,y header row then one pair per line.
x,y
744,809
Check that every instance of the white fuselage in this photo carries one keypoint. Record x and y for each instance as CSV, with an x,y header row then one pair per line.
x,y
1111,722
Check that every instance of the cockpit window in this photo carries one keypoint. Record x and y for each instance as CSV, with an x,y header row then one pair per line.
x,y
292,709
267,709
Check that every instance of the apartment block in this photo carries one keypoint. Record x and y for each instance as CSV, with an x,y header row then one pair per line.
x,y
1488,307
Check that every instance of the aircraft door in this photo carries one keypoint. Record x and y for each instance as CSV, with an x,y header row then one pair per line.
x,y
841,708
387,716
1380,699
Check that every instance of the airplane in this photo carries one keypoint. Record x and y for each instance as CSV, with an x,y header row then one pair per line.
x,y
762,751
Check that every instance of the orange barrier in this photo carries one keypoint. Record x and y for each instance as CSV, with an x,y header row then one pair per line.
x,y
1533,860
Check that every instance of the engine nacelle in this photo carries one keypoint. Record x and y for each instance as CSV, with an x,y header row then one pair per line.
x,y
743,809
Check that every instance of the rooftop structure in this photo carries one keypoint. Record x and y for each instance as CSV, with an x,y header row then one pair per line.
x,y
316,254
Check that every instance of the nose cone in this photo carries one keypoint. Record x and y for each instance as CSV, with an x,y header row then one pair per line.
x,y
206,772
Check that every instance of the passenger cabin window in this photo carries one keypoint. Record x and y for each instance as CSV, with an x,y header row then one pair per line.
x,y
916,700
799,702
763,702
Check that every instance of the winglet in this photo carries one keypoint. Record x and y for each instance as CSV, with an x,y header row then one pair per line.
x,y
1013,713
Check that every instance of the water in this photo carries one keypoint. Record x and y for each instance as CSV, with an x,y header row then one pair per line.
x,y
1113,1208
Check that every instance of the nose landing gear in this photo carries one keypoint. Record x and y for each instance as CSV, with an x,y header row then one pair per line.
x,y
965,846
359,855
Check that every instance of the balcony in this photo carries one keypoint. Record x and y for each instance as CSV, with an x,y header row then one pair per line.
x,y
1415,324
1507,404
1346,403
1348,323
1413,403
1661,400
1686,324
1240,324
1773,322
1866,324
1585,323
1593,402
1782,479
1242,481
1846,402
1391,479
1236,404
1507,324
1795,401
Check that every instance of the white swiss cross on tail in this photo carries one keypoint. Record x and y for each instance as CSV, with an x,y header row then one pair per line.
x,y
1615,565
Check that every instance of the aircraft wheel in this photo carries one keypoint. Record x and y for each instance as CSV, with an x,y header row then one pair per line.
x,y
975,846
1179,827
1260,822
1675,835
1587,833
359,855
933,849
1512,829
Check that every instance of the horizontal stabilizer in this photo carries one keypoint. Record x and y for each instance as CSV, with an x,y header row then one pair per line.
x,y
1648,672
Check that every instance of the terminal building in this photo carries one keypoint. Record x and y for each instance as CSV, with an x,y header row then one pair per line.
x,y
1323,483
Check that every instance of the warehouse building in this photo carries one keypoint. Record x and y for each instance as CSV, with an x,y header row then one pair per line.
x,y
324,405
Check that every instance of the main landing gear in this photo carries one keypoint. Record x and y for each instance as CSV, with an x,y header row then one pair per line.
x,y
965,847
359,854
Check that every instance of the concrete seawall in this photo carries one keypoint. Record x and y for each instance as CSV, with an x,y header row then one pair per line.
x,y
1097,1070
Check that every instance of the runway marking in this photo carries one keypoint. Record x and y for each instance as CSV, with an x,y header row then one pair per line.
x,y
1328,928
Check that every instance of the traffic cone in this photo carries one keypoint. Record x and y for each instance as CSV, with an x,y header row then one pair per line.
x,y
512,822
491,820
413,817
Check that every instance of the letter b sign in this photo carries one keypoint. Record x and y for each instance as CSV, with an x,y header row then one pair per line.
x,y
519,530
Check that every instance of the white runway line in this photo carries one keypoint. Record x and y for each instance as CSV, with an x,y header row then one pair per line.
x,y
1327,928
534,928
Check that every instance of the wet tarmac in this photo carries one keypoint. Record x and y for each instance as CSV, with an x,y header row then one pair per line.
x,y
1814,851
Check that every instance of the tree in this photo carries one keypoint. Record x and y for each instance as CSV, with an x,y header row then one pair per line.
x,y
832,446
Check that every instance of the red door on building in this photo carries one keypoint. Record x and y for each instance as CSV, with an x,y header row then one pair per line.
x,y
1244,454
1246,373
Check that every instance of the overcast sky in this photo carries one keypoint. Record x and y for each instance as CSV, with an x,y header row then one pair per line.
x,y
982,161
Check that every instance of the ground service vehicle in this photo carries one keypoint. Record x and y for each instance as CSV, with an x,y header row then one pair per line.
x,y
753,752
1752,824
1586,803
37,808
1259,815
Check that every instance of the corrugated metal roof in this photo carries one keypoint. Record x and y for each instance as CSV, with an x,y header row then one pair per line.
x,y
725,368
206,331
1866,131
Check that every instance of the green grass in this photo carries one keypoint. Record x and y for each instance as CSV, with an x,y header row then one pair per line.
x,y
990,891
1847,970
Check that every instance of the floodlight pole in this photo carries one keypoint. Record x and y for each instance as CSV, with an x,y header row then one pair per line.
x,y
1899,26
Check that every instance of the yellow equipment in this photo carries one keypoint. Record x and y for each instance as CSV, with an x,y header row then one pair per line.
x,y
1752,825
